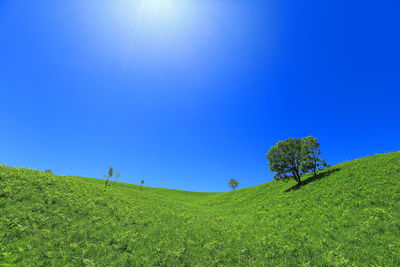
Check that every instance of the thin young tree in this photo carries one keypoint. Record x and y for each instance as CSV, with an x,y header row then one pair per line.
x,y
233,184
109,175
116,176
141,184
312,152
324,164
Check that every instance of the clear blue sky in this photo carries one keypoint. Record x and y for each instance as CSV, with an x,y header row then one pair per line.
x,y
187,94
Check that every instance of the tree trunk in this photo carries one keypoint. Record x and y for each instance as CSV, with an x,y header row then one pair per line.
x,y
297,177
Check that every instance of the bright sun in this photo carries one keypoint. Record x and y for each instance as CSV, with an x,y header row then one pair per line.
x,y
156,10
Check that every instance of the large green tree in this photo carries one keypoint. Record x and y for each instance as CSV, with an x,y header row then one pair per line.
x,y
287,159
293,157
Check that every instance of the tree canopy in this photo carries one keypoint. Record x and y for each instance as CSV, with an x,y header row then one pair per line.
x,y
233,184
293,157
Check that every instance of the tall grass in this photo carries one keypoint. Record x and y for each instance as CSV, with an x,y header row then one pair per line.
x,y
348,216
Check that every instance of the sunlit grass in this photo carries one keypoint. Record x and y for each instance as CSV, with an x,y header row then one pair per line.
x,y
350,216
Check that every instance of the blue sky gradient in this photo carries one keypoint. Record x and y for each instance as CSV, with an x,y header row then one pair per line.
x,y
187,94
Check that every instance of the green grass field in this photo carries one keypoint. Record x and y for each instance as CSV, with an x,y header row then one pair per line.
x,y
348,216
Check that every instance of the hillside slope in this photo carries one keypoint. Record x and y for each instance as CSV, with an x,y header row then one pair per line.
x,y
348,215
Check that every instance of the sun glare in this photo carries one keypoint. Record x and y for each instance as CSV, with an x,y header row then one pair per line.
x,y
165,11
156,7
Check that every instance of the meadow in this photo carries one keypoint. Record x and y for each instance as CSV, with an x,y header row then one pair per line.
x,y
349,215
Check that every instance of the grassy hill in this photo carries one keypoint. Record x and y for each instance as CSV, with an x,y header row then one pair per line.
x,y
348,215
